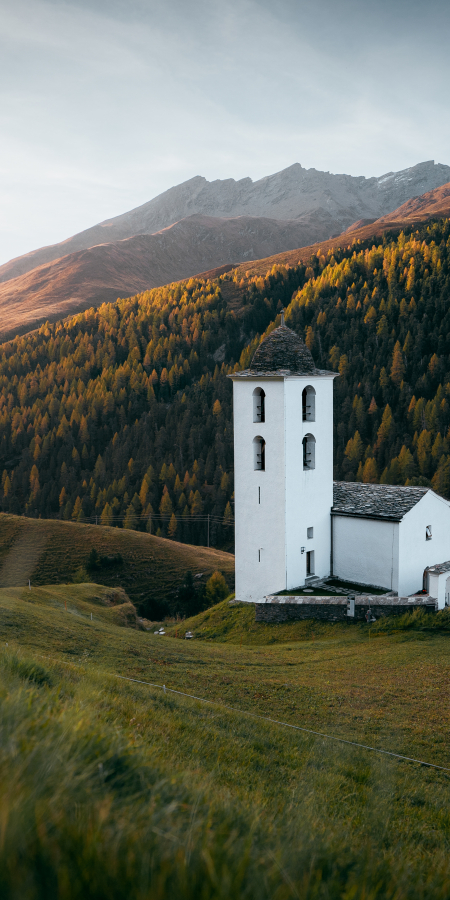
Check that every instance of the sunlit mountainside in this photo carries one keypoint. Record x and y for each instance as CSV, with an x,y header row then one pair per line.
x,y
194,227
124,413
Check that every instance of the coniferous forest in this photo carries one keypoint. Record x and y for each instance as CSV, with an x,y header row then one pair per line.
x,y
123,414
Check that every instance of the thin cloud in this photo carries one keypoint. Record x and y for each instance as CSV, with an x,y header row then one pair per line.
x,y
106,104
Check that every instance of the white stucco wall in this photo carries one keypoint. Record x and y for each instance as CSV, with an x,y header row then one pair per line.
x,y
309,493
260,526
438,586
271,524
415,552
366,551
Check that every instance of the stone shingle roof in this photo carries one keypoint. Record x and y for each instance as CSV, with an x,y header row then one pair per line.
x,y
374,501
439,569
283,353
283,350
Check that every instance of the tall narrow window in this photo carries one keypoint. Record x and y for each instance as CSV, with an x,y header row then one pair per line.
x,y
259,453
309,404
428,533
259,495
259,405
309,451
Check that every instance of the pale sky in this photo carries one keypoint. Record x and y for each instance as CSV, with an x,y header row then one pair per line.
x,y
106,103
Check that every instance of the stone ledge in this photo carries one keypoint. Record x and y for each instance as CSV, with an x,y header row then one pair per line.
x,y
332,609
360,600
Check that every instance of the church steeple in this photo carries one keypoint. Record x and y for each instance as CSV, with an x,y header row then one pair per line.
x,y
283,441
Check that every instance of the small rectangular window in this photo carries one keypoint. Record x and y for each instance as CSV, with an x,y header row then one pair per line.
x,y
259,555
259,495
428,534
310,532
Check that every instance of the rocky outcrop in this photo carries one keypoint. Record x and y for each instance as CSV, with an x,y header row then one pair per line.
x,y
312,198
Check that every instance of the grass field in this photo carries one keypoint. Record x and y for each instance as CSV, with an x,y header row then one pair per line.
x,y
111,788
50,551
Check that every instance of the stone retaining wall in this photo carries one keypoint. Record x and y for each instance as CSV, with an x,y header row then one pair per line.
x,y
329,609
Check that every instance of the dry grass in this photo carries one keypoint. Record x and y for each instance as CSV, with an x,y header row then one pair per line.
x,y
121,790
50,551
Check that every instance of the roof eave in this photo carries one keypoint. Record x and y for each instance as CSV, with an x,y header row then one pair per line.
x,y
356,515
318,373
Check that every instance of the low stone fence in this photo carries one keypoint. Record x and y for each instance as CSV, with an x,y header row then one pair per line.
x,y
339,609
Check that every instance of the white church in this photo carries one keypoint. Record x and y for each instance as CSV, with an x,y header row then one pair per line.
x,y
294,525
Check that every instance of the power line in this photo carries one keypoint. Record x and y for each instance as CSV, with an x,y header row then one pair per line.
x,y
183,520
253,715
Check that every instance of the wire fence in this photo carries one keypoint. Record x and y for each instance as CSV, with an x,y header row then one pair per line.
x,y
253,715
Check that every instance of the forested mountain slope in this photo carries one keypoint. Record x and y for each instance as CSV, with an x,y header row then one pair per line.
x,y
103,273
417,212
125,412
308,204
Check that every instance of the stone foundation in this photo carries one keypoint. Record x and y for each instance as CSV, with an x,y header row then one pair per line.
x,y
276,609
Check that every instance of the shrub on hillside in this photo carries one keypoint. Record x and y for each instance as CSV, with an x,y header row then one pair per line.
x,y
216,589
191,598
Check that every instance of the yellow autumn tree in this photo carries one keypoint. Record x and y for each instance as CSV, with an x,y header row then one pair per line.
x,y
398,367
216,588
309,339
354,448
385,427
424,451
106,517
228,514
370,472
172,529
165,507
77,512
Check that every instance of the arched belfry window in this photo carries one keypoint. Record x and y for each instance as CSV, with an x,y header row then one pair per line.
x,y
309,404
259,453
309,451
258,405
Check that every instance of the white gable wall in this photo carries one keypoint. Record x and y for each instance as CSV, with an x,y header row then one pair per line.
x,y
415,552
366,551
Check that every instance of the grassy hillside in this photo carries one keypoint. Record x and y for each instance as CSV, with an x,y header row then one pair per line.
x,y
151,571
37,605
230,622
123,414
120,789
234,623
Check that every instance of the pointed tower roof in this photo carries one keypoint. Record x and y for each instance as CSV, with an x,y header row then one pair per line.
x,y
283,352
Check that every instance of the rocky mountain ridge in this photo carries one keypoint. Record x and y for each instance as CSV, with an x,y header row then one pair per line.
x,y
308,196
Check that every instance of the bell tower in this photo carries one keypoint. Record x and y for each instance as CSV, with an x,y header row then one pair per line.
x,y
283,465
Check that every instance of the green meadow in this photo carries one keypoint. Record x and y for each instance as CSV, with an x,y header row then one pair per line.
x,y
112,788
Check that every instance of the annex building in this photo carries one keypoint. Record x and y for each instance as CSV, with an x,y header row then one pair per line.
x,y
294,525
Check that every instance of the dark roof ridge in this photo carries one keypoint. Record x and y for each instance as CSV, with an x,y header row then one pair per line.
x,y
384,487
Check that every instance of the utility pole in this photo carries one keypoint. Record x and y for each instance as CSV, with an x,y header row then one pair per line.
x,y
208,529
